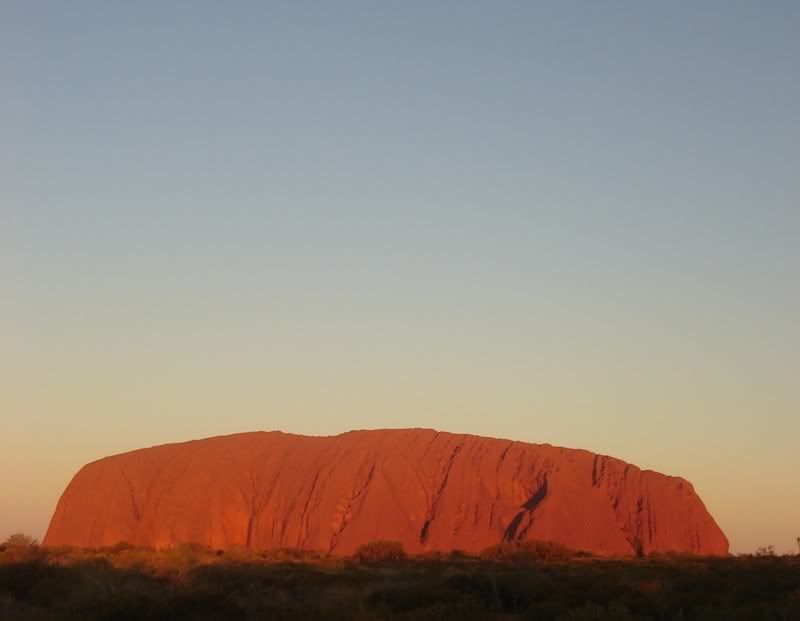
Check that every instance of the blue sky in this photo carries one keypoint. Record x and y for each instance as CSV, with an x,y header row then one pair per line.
x,y
575,223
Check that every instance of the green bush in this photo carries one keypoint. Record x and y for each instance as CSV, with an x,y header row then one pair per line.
x,y
377,551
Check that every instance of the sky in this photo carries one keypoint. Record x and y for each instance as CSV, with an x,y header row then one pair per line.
x,y
566,222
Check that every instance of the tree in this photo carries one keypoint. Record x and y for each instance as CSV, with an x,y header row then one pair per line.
x,y
20,539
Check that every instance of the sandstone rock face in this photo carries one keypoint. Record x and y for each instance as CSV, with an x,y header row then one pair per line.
x,y
429,490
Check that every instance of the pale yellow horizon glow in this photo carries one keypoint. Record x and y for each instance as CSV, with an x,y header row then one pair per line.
x,y
97,393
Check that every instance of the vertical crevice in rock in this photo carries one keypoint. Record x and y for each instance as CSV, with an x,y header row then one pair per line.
x,y
346,507
512,532
433,507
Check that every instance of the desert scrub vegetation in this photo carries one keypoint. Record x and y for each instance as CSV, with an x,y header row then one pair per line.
x,y
20,539
193,582
529,551
380,551
20,547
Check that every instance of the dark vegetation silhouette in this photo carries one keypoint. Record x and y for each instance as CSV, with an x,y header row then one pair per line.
x,y
536,580
380,551
530,550
20,539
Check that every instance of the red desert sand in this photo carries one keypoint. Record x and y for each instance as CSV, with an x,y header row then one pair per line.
x,y
426,489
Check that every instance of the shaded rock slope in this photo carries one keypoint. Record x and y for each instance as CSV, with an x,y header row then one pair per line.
x,y
429,490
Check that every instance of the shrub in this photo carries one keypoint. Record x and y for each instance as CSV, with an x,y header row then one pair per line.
x,y
186,554
526,551
235,553
675,556
376,551
121,546
592,612
20,548
20,539
766,551
288,555
458,555
22,554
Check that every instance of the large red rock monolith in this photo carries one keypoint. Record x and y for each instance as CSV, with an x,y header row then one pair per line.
x,y
429,490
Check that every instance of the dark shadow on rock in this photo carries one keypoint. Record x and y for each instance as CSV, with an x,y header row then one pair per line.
x,y
529,507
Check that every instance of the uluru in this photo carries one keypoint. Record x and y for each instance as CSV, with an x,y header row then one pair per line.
x,y
429,490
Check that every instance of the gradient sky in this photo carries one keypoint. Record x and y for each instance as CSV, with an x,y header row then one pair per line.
x,y
566,222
